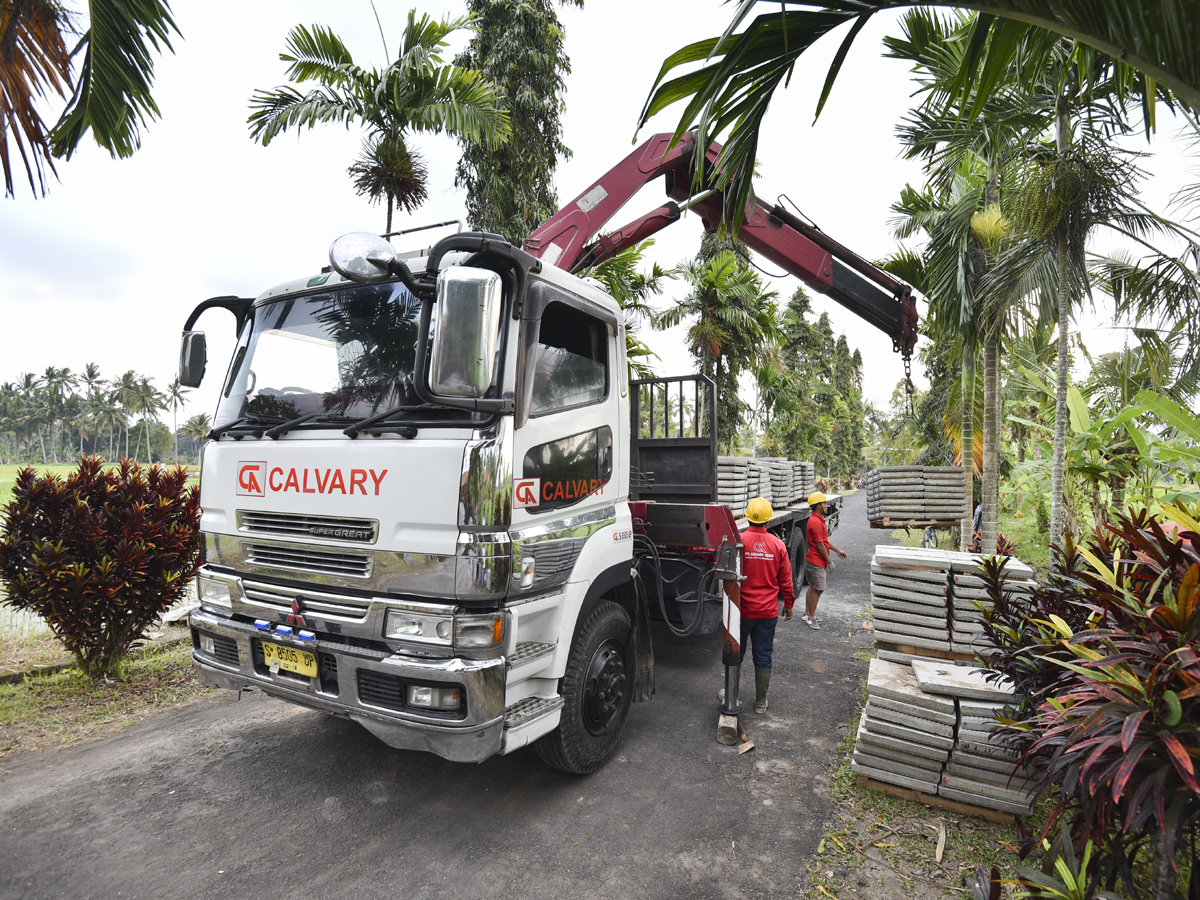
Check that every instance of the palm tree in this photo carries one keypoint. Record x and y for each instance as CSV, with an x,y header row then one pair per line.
x,y
110,96
108,414
175,398
147,401
632,289
124,393
735,328
728,96
197,427
417,92
34,62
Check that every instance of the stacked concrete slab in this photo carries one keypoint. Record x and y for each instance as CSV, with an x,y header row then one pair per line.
x,y
945,493
896,492
909,590
905,734
969,599
977,770
780,472
732,484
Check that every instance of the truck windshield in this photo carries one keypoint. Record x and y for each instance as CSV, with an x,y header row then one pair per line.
x,y
344,355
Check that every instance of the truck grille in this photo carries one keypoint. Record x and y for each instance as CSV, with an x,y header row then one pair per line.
x,y
320,604
296,525
378,689
308,559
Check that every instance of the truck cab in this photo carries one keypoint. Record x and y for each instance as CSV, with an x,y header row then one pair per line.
x,y
415,502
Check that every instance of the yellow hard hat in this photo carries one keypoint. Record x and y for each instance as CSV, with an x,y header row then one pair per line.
x,y
816,497
759,511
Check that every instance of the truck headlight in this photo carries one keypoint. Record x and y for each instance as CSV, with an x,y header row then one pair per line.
x,y
420,626
214,592
475,632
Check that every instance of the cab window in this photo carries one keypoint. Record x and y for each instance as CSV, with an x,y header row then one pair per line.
x,y
572,360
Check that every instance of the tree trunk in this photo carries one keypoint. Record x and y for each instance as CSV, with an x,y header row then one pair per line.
x,y
388,230
968,444
991,443
1062,127
1162,876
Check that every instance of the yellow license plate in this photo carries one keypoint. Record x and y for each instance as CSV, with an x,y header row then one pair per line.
x,y
290,659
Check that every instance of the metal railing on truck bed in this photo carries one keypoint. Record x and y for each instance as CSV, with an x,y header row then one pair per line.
x,y
673,439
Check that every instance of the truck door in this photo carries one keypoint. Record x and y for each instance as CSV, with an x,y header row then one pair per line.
x,y
566,444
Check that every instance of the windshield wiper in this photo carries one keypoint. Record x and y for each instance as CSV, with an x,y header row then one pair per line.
x,y
361,424
316,417
249,420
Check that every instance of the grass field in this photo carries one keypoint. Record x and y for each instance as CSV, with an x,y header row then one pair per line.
x,y
8,476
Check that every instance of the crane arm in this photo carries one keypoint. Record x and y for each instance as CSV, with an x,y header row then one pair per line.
x,y
811,255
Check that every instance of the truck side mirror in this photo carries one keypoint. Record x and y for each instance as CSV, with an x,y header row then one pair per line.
x,y
362,257
193,356
466,332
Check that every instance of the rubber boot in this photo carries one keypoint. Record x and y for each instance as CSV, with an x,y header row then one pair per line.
x,y
737,677
762,681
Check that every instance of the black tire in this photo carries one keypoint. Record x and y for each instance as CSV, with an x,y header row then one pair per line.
x,y
597,690
797,547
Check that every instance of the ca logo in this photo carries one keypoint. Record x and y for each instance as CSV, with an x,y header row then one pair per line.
x,y
252,479
527,492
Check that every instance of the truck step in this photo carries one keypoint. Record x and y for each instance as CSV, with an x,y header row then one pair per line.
x,y
525,711
528,651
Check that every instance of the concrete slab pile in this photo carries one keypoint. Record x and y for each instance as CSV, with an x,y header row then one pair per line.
x,y
978,771
916,493
969,599
732,483
905,734
930,733
909,587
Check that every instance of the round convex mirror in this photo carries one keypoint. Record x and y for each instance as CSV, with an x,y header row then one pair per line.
x,y
362,256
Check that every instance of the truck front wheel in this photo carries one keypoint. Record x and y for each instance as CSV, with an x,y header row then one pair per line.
x,y
597,691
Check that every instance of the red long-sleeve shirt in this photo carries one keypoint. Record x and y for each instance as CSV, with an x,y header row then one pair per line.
x,y
768,574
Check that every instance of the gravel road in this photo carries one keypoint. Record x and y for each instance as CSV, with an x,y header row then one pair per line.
x,y
257,798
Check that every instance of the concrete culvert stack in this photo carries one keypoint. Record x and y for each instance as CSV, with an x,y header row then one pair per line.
x,y
733,487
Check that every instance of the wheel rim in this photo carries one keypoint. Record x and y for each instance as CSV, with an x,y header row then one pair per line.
x,y
604,688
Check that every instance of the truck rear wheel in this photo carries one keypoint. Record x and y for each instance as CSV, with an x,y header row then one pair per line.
x,y
597,691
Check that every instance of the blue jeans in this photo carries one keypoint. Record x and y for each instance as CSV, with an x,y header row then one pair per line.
x,y
761,635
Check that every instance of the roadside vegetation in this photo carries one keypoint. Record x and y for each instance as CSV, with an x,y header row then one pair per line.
x,y
50,711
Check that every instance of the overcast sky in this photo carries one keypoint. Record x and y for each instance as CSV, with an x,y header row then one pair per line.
x,y
108,266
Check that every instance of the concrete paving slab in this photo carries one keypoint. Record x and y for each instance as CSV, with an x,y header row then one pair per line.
x,y
916,631
985,748
977,723
1005,780
986,789
919,736
919,609
927,787
934,588
957,681
917,723
911,596
892,681
904,659
868,735
1000,765
978,708
980,800
890,765
919,712
869,745
890,637
935,577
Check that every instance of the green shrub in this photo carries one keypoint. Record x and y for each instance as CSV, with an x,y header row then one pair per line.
x,y
1043,516
100,555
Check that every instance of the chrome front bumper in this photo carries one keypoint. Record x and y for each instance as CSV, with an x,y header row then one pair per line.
x,y
473,738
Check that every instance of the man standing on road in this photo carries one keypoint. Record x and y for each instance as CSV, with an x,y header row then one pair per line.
x,y
768,574
816,560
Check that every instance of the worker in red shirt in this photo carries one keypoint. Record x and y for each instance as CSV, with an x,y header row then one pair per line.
x,y
816,560
768,574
